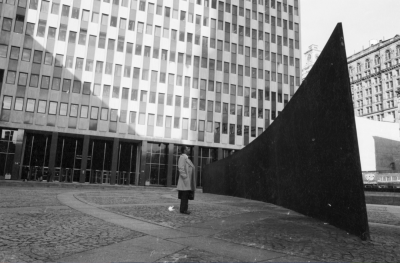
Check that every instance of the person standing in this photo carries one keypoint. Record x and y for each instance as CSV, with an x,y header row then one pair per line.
x,y
187,180
25,174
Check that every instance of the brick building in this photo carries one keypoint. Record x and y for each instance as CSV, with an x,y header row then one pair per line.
x,y
375,78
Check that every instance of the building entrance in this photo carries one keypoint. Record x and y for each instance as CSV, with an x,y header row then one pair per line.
x,y
126,169
157,163
36,157
68,159
7,150
99,162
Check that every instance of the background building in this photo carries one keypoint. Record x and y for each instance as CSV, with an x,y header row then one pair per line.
x,y
106,91
311,56
375,77
379,145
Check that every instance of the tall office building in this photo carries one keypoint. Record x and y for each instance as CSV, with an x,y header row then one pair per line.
x,y
106,91
375,78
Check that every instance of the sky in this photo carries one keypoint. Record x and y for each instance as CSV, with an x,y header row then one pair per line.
x,y
362,21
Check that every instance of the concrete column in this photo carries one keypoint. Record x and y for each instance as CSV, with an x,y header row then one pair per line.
x,y
137,170
220,154
19,154
142,174
196,160
114,162
85,150
53,152
170,163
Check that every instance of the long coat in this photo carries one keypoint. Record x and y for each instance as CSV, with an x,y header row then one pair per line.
x,y
187,175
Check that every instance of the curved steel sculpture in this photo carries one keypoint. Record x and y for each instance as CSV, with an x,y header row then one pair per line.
x,y
308,159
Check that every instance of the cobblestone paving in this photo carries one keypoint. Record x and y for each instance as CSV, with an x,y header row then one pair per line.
x,y
195,255
131,197
23,197
36,227
43,234
295,234
161,215
382,216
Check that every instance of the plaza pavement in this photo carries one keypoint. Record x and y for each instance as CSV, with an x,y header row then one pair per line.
x,y
52,222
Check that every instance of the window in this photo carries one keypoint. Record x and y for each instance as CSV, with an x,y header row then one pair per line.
x,y
104,19
113,21
82,37
53,108
85,15
63,109
89,65
72,37
42,106
142,5
19,23
41,30
33,4
73,110
377,60
30,105
387,55
34,80
22,79
76,86
86,88
159,10
75,13
52,33
56,84
66,85
62,33
19,104
94,113
3,51
7,22
84,111
103,114
78,63
45,82
14,54
69,61
65,11
95,17
7,102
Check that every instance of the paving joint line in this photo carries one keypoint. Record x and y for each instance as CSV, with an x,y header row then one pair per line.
x,y
273,250
176,229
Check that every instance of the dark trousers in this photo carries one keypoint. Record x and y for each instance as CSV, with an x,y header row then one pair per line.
x,y
184,201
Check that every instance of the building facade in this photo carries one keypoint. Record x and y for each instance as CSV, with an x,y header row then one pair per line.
x,y
375,78
106,91
311,56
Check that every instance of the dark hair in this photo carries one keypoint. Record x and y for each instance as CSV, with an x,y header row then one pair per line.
x,y
183,148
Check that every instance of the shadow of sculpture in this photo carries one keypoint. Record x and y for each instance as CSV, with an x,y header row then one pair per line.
x,y
308,159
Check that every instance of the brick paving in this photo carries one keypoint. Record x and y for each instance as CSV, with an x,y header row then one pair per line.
x,y
284,231
49,231
36,227
298,235
191,254
161,215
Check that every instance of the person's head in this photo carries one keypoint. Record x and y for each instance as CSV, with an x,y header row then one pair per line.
x,y
185,149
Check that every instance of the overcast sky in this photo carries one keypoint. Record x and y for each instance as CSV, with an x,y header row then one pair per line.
x,y
362,21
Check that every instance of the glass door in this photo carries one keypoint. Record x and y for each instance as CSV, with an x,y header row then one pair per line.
x,y
7,150
100,161
36,156
68,159
126,163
